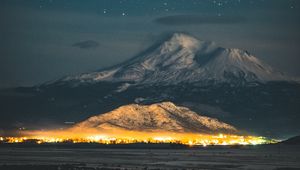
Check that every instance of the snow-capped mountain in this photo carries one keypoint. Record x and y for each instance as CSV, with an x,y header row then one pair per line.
x,y
164,116
185,59
228,84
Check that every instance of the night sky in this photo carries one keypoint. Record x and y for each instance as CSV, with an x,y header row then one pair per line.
x,y
42,40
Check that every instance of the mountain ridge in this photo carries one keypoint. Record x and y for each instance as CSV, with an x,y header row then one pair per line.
x,y
164,116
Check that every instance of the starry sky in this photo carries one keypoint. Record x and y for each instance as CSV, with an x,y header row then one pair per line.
x,y
42,40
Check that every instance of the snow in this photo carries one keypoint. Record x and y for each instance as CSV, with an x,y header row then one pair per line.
x,y
183,58
236,61
92,77
123,87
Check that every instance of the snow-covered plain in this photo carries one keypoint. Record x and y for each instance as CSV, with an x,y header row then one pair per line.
x,y
272,157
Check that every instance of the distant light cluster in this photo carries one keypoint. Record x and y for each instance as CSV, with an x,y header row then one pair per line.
x,y
202,140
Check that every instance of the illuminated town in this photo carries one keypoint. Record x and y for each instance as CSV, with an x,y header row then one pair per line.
x,y
185,139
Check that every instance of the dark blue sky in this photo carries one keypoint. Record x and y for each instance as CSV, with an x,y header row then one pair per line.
x,y
42,40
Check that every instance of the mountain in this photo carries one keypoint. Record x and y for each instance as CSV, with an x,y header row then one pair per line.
x,y
185,59
165,116
228,84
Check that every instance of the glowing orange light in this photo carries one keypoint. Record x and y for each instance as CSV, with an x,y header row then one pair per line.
x,y
125,137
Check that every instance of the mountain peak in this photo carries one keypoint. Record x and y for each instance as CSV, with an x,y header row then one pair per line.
x,y
183,40
166,104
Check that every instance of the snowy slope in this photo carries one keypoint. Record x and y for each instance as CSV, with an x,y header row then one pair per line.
x,y
183,58
156,117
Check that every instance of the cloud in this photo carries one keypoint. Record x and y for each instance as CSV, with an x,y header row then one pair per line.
x,y
175,20
86,44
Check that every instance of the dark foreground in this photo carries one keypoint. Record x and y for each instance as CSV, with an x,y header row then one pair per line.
x,y
277,157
